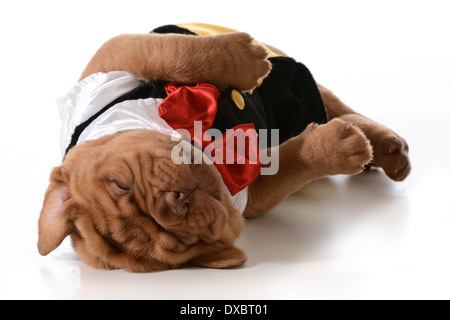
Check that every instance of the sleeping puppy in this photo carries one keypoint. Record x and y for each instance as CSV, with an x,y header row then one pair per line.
x,y
125,202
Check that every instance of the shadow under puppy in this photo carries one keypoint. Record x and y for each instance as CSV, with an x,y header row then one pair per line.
x,y
124,201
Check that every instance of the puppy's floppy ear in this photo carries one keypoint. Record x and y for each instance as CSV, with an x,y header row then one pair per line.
x,y
226,259
53,224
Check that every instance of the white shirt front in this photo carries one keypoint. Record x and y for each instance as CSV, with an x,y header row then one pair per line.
x,y
89,96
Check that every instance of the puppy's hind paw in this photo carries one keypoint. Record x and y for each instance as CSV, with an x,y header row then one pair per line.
x,y
392,154
339,147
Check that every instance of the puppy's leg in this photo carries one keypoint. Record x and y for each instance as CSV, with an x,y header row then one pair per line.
x,y
390,151
334,148
223,60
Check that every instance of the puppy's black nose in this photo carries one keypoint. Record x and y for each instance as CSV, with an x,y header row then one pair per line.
x,y
179,202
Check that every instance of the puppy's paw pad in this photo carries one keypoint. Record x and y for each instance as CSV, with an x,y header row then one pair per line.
x,y
392,154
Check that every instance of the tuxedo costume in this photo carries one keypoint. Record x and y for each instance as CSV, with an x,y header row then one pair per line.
x,y
107,103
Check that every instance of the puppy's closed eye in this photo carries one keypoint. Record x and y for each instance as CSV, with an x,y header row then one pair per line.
x,y
120,188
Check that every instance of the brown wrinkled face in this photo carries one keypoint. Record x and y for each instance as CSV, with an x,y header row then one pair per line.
x,y
126,205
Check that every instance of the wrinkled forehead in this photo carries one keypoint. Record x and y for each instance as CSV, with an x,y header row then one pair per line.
x,y
141,151
152,143
125,144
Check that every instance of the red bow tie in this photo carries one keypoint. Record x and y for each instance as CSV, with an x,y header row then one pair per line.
x,y
185,104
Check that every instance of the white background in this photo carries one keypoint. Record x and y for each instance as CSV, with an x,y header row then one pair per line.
x,y
342,238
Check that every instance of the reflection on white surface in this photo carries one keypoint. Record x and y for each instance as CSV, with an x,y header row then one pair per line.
x,y
333,217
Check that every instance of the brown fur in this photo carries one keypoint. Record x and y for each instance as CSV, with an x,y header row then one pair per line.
x,y
224,60
137,210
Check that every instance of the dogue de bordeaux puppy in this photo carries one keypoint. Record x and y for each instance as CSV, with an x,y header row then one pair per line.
x,y
125,202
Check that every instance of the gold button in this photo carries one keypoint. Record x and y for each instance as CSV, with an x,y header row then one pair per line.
x,y
238,99
260,82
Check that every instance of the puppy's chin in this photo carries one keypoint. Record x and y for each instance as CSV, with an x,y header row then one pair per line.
x,y
209,228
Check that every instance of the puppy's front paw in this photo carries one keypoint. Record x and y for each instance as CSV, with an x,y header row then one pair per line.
x,y
338,147
243,63
391,154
